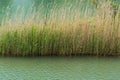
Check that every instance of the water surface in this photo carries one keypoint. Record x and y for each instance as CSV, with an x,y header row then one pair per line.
x,y
57,68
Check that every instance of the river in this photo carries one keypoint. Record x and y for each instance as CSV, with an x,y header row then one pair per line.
x,y
55,68
60,68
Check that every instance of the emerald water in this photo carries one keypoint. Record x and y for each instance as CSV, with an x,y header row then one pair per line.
x,y
60,68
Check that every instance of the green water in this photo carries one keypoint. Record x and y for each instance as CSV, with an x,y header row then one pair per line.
x,y
56,68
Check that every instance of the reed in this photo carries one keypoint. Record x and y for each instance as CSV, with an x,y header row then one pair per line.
x,y
62,32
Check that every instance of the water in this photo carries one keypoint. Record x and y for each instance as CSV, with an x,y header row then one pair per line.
x,y
56,68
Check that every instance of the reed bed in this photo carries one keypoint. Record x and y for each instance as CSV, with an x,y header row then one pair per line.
x,y
64,32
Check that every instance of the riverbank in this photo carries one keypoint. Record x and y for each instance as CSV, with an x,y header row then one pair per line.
x,y
64,34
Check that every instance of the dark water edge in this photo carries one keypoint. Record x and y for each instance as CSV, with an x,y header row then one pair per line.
x,y
60,55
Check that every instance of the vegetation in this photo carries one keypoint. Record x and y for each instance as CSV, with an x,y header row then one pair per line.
x,y
63,32
113,3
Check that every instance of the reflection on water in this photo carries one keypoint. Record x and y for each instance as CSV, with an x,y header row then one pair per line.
x,y
56,68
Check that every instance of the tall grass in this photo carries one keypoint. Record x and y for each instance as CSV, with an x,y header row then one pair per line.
x,y
62,32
